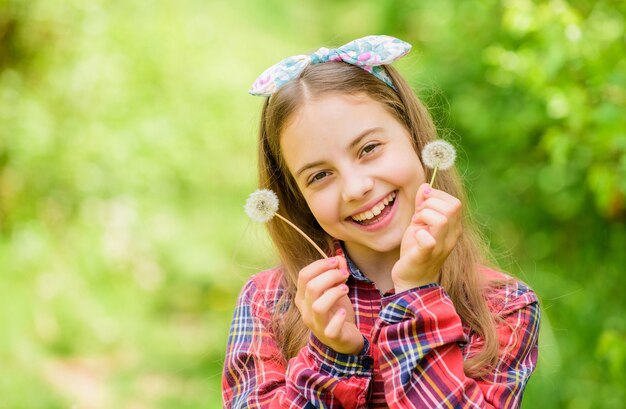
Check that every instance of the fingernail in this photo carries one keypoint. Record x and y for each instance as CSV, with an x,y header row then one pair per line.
x,y
427,191
346,273
414,218
343,288
332,261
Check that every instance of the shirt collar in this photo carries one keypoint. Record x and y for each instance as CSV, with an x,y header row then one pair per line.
x,y
340,250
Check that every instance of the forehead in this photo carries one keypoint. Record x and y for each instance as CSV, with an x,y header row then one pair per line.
x,y
330,122
333,106
333,115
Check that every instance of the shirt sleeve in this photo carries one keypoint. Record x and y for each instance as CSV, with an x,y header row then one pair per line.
x,y
418,336
256,376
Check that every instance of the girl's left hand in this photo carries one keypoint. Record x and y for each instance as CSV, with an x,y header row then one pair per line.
x,y
428,241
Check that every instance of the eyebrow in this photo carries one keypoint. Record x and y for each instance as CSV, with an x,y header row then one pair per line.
x,y
352,144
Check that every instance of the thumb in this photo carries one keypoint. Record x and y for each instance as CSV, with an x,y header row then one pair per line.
x,y
424,239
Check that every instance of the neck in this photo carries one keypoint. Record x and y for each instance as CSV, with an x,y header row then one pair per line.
x,y
376,266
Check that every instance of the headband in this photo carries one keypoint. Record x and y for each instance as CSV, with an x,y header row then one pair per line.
x,y
369,53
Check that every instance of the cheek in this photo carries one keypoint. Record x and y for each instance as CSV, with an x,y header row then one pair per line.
x,y
407,170
323,208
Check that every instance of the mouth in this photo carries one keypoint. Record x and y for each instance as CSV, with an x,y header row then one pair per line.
x,y
376,213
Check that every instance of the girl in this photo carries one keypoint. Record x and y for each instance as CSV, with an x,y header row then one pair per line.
x,y
404,314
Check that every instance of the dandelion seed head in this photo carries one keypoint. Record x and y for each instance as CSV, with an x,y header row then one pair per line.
x,y
438,154
261,205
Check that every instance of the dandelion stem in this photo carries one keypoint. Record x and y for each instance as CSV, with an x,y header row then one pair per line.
x,y
302,233
433,178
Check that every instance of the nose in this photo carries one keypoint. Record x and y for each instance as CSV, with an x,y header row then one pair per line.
x,y
356,185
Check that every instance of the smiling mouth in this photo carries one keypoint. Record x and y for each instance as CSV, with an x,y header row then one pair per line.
x,y
377,212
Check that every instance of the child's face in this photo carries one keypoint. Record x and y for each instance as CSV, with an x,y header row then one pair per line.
x,y
356,167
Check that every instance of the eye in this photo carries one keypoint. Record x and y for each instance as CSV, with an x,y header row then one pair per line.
x,y
317,177
369,148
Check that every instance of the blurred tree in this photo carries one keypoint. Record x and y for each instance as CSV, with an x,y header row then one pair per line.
x,y
123,126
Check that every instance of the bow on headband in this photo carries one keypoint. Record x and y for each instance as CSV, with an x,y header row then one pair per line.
x,y
368,53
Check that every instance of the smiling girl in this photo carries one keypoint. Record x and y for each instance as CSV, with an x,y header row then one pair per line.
x,y
405,313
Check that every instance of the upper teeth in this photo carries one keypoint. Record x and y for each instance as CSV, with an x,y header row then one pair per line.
x,y
374,211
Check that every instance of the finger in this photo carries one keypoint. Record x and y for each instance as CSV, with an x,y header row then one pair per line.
x,y
324,282
440,194
449,210
335,324
315,269
437,223
325,302
453,236
343,264
422,192
438,205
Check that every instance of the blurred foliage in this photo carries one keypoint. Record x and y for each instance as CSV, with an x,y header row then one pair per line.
x,y
126,153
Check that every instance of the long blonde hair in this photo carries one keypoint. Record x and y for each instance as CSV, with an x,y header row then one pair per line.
x,y
459,274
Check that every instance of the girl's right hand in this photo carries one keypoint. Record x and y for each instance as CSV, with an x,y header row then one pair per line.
x,y
322,298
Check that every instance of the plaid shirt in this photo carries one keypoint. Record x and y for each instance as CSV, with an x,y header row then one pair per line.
x,y
415,345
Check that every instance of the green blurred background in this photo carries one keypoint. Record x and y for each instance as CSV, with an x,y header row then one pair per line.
x,y
127,149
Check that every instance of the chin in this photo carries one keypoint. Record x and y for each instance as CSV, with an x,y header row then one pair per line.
x,y
380,247
387,248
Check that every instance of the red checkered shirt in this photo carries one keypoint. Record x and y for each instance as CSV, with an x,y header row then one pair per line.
x,y
415,345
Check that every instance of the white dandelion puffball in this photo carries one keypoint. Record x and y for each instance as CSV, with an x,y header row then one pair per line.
x,y
261,205
439,154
